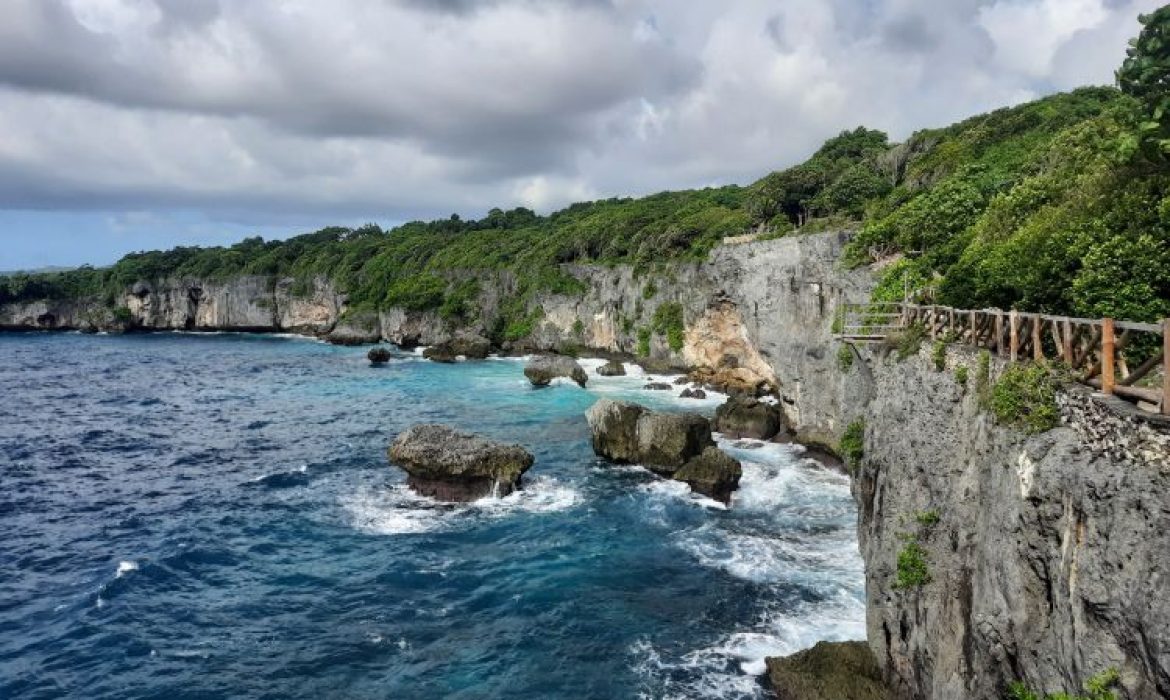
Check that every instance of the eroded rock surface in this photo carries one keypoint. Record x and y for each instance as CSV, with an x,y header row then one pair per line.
x,y
451,465
748,417
828,671
541,370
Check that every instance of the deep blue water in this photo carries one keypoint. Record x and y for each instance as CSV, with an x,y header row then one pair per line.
x,y
192,516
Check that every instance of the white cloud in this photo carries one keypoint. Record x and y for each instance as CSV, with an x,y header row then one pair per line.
x,y
412,108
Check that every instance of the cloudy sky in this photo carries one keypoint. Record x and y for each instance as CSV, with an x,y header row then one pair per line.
x,y
132,124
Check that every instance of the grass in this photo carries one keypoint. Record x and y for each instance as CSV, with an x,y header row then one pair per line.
x,y
1025,397
844,358
852,445
913,571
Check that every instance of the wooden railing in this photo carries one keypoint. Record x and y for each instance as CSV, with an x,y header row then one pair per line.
x,y
1097,351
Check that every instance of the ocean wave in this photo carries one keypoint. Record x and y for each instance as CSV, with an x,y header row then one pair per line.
x,y
398,510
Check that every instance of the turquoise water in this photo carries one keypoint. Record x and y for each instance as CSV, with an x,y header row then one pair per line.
x,y
213,516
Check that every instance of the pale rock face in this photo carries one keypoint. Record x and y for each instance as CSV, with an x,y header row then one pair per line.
x,y
720,333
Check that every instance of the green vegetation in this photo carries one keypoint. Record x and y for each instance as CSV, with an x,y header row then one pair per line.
x,y
852,445
913,571
668,321
643,342
961,375
938,354
1061,205
928,517
845,358
983,377
906,342
578,327
1025,396
1099,687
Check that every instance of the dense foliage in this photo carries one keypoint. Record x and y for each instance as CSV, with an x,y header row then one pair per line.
x,y
1057,206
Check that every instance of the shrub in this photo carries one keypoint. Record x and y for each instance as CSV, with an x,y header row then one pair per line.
x,y
416,293
938,355
928,517
668,320
578,327
961,375
649,290
643,342
1099,687
122,315
844,358
913,571
983,376
852,445
461,302
907,341
1025,396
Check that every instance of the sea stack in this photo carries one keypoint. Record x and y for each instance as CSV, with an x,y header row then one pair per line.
x,y
449,465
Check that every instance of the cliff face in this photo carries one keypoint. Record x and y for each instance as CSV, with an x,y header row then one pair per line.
x,y
1048,561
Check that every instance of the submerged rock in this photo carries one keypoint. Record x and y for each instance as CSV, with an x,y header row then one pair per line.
x,y
748,417
677,445
378,356
828,671
450,465
543,369
713,473
657,386
613,368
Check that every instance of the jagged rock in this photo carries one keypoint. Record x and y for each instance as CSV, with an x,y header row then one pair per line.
x,y
747,417
693,394
469,346
613,368
657,386
450,465
614,428
828,671
713,473
356,329
682,380
543,369
378,356
735,381
666,441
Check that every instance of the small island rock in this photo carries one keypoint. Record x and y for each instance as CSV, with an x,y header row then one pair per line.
x,y
713,473
378,356
450,465
541,370
613,368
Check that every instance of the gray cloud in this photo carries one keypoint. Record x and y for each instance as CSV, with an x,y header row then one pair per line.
x,y
407,108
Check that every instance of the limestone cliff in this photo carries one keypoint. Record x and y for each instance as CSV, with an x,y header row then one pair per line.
x,y
1046,555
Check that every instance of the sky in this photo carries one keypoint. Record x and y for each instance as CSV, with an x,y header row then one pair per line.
x,y
139,124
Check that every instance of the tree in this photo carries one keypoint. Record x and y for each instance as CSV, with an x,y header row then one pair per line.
x,y
1145,76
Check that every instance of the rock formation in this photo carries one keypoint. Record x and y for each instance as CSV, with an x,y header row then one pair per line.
x,y
450,465
613,368
747,417
676,445
378,356
467,345
828,671
541,370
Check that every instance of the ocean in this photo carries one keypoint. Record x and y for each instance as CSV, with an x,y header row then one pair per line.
x,y
214,516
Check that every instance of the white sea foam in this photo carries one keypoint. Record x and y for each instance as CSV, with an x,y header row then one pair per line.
x,y
125,567
398,510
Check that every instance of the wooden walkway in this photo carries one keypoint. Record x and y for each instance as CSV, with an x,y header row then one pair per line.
x,y
1098,351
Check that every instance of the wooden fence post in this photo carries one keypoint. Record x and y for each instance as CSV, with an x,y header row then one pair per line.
x,y
974,329
1037,340
1066,342
999,332
1166,367
1014,330
1107,354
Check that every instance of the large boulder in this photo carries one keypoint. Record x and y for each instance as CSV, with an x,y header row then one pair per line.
x,y
469,346
541,370
450,465
748,417
378,356
356,328
613,368
677,445
828,671
614,426
666,441
713,473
